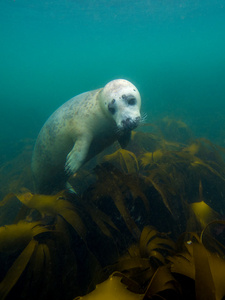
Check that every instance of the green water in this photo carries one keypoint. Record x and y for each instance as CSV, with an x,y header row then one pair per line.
x,y
173,51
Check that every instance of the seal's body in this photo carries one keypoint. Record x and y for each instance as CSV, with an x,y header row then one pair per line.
x,y
81,128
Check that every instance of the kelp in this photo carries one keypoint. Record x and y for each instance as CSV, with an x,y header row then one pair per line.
x,y
143,259
151,242
142,279
161,282
16,270
35,249
124,160
204,214
118,286
39,247
138,273
112,289
194,262
176,174
51,205
142,142
26,240
16,236
120,189
150,157
174,130
123,224
203,266
102,220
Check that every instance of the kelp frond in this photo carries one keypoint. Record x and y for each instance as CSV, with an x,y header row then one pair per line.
x,y
154,244
142,259
114,185
52,205
16,236
203,266
124,160
112,289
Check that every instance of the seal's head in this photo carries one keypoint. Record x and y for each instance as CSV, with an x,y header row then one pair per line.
x,y
121,101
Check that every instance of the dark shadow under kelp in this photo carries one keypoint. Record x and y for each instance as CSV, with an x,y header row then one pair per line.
x,y
148,221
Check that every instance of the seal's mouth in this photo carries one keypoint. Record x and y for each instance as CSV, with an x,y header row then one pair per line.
x,y
130,124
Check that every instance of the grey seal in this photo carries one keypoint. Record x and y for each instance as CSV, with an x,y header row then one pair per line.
x,y
80,129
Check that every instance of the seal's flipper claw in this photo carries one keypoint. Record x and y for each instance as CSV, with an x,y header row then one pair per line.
x,y
77,155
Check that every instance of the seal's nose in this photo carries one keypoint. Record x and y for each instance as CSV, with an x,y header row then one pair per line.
x,y
130,124
137,120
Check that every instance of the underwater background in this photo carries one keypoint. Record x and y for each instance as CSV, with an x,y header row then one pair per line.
x,y
148,221
173,51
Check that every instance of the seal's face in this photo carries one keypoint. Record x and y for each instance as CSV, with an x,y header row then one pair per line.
x,y
122,102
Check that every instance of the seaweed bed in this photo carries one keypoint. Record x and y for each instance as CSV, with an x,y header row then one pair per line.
x,y
146,223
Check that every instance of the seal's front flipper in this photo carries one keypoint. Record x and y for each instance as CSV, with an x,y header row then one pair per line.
x,y
124,139
76,157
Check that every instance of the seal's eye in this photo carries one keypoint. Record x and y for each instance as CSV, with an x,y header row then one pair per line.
x,y
131,101
112,110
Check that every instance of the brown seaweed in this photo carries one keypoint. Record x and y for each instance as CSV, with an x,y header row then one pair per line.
x,y
123,225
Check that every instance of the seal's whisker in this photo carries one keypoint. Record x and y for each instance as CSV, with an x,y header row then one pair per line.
x,y
143,118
